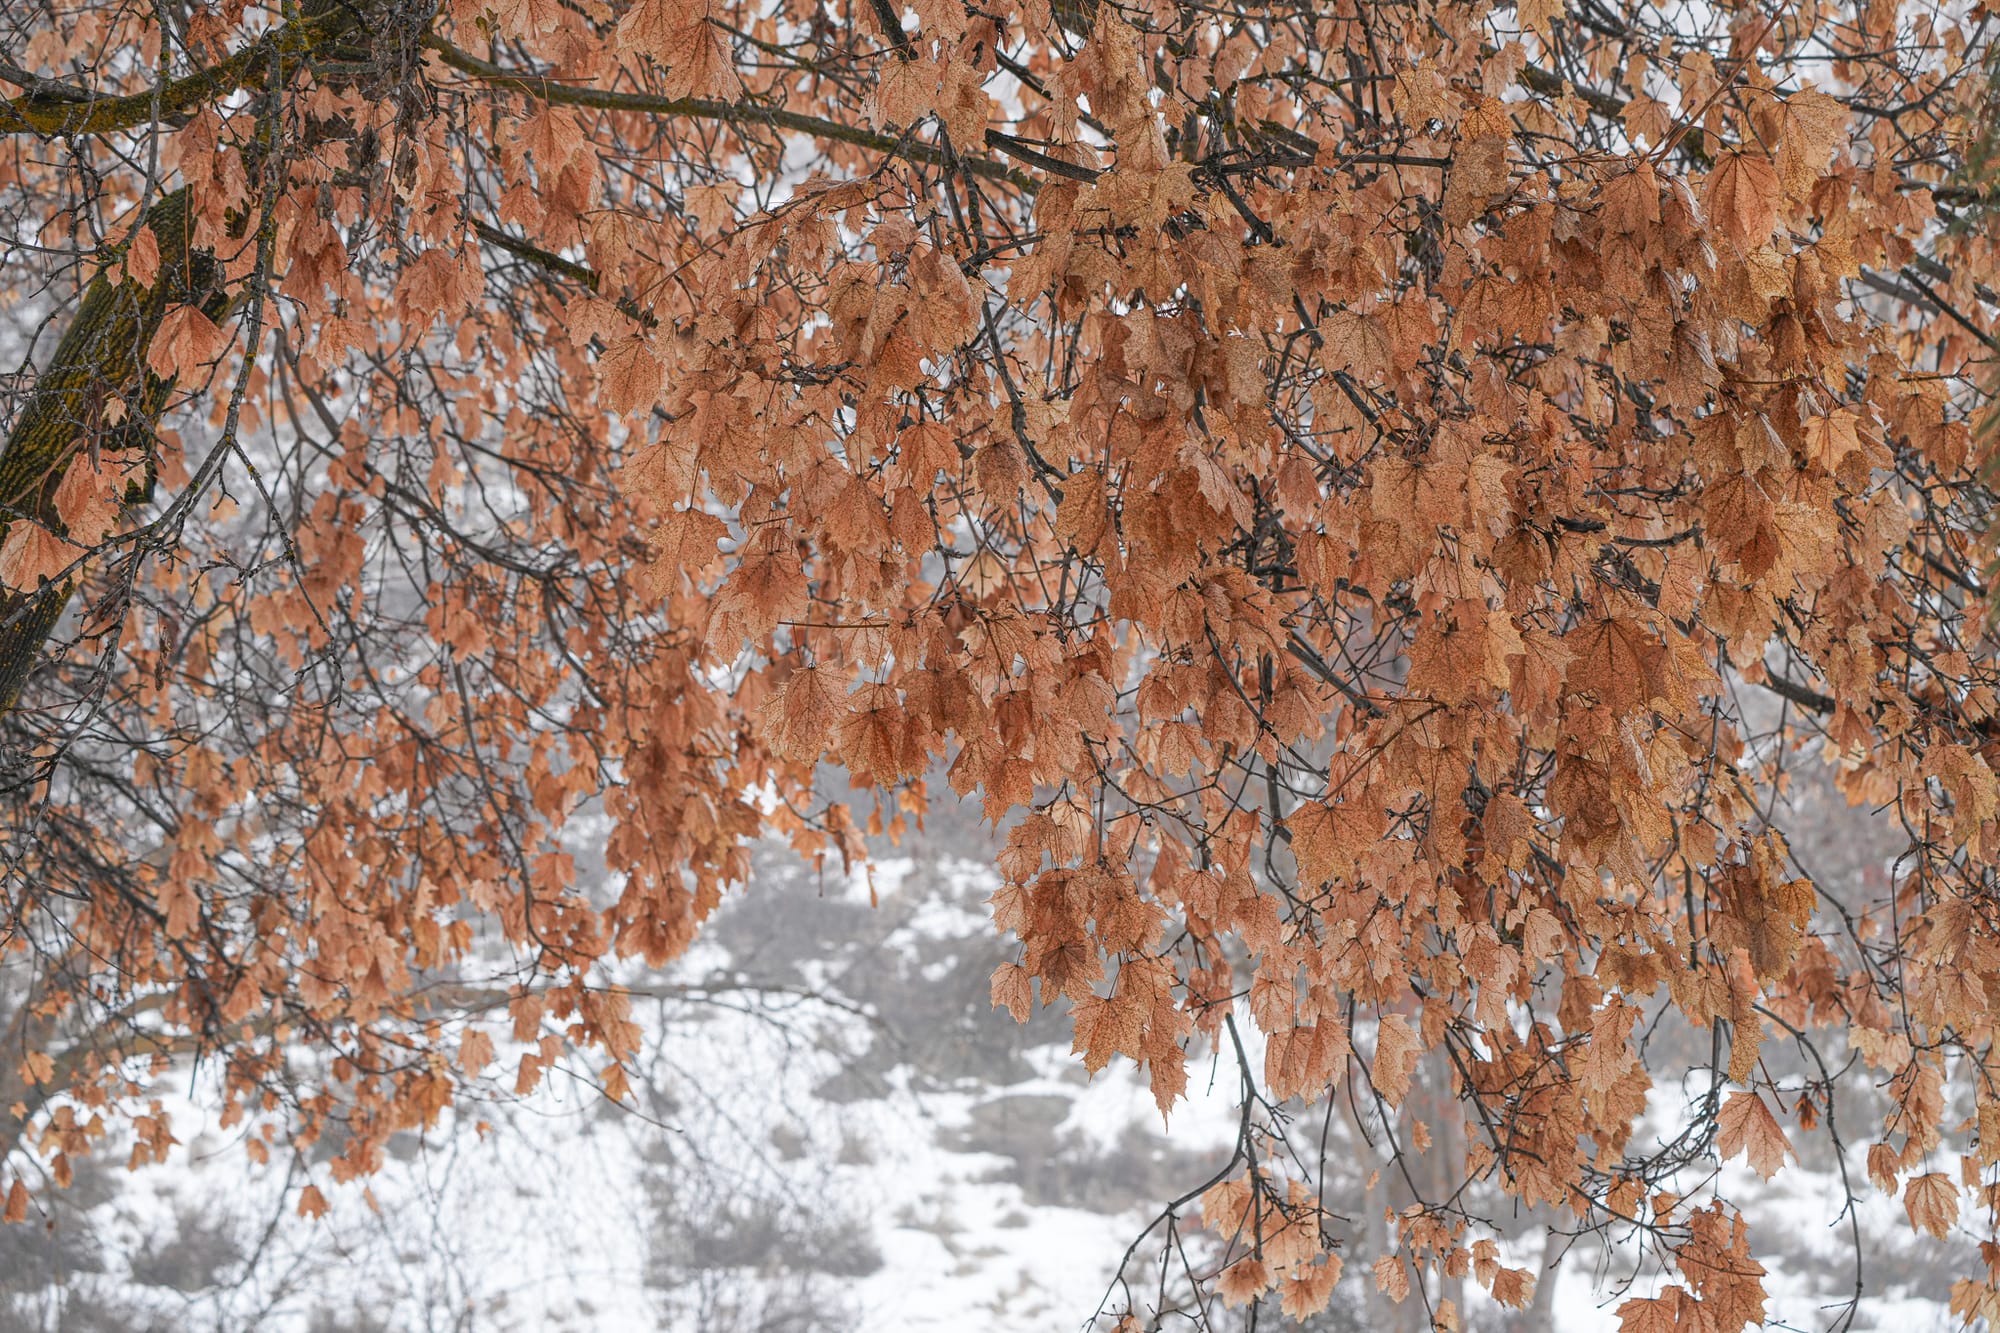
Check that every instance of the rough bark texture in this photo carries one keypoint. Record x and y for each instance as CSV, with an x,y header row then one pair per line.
x,y
101,356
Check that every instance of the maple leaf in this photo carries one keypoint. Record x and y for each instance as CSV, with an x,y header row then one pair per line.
x,y
88,498
1745,1124
1620,661
1535,15
1310,1290
1104,1028
679,35
801,714
528,18
1514,1288
879,738
1651,1314
963,103
685,546
907,92
1743,197
142,256
1811,125
1166,1072
1542,934
1396,1050
1649,121
630,374
1932,1203
1883,1167
1243,1281
1479,169
31,554
1392,1278
1328,837
1303,1061
186,341
1359,342
475,1051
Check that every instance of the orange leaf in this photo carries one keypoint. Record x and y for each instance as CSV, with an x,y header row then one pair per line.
x,y
1395,1058
1932,1203
800,716
1309,1292
142,257
1743,198
87,500
1745,1125
1013,989
32,554
1392,1278
1243,1282
1514,1287
475,1051
186,341
1651,1314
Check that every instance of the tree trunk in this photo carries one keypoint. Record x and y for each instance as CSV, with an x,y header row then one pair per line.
x,y
101,355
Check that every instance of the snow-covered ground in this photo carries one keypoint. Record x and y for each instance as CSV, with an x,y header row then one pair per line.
x,y
830,1129
787,1162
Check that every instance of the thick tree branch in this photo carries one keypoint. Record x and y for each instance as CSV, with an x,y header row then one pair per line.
x,y
52,112
1810,699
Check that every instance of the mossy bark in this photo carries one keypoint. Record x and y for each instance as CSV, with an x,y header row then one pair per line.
x,y
101,357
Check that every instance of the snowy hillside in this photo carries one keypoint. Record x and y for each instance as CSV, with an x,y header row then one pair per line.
x,y
834,1130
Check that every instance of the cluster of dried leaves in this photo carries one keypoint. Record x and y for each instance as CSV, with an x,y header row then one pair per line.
x,y
1335,480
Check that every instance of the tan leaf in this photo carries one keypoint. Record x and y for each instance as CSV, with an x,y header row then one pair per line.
x,y
1536,15
1743,197
1013,990
1746,1125
1812,124
800,716
1396,1050
475,1050
631,375
142,257
32,554
1309,1292
1478,173
1651,1314
692,50
1514,1288
907,92
1243,1282
1392,1278
186,341
88,498
1932,1203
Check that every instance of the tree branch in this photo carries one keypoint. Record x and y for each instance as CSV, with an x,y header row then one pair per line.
x,y
701,108
1809,699
52,111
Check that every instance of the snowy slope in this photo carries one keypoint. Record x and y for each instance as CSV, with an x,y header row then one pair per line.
x,y
832,1130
